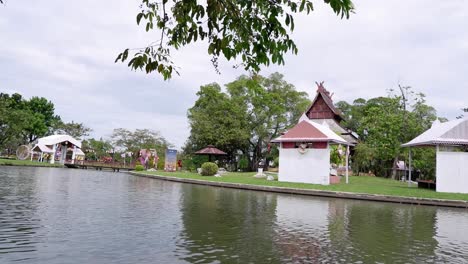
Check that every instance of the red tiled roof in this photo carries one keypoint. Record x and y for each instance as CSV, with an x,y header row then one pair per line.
x,y
304,130
210,150
310,131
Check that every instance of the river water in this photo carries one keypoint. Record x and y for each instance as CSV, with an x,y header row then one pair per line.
x,y
50,215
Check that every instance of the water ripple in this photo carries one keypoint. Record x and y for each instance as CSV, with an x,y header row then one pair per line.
x,y
78,216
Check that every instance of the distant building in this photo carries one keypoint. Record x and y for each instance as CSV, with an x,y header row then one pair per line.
x,y
58,148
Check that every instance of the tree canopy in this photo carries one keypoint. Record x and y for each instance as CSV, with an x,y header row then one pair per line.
x,y
96,149
243,119
133,141
23,121
76,130
257,32
384,123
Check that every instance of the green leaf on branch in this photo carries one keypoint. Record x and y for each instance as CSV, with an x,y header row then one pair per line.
x,y
251,30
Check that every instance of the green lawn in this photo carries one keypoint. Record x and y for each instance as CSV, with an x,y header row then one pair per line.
x,y
358,184
11,162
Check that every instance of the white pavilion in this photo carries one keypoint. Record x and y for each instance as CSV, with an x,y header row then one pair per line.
x,y
304,153
58,146
451,142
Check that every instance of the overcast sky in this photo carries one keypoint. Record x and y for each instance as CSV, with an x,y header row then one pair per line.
x,y
65,51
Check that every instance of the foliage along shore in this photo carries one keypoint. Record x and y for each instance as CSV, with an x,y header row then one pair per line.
x,y
27,163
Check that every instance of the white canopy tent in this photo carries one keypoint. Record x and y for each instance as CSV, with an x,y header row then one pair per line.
x,y
56,139
451,172
50,144
41,149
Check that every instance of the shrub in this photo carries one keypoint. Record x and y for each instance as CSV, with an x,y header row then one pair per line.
x,y
161,162
139,168
209,169
243,163
151,163
198,160
188,164
276,161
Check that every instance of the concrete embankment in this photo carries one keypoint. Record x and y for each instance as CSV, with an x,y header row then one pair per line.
x,y
344,195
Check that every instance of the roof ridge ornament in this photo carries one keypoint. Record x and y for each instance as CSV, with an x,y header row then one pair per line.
x,y
322,89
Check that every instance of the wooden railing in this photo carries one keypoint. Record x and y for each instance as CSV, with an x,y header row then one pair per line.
x,y
103,164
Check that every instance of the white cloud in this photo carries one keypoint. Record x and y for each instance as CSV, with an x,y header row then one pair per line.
x,y
65,51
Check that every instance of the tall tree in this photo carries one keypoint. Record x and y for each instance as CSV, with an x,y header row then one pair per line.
x,y
254,31
271,105
216,120
29,119
381,127
384,123
76,130
12,123
247,116
133,141
95,149
42,117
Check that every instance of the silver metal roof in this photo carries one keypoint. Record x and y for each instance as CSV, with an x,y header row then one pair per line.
x,y
448,133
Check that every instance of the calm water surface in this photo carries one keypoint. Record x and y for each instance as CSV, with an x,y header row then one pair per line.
x,y
78,216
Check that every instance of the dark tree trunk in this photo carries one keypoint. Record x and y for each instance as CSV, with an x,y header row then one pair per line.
x,y
394,168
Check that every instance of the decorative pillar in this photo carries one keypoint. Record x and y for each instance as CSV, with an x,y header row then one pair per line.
x,y
64,154
347,163
410,169
54,149
73,155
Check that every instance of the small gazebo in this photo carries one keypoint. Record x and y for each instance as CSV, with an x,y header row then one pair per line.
x,y
451,141
304,154
210,150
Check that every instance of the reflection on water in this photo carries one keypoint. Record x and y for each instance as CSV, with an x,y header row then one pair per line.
x,y
227,226
77,216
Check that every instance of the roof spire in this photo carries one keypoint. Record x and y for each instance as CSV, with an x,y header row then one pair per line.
x,y
321,88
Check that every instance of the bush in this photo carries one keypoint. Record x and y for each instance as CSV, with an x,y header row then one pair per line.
x,y
243,163
161,162
209,169
188,164
276,162
139,168
151,163
198,160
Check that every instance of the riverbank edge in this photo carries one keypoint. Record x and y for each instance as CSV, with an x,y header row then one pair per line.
x,y
311,192
32,166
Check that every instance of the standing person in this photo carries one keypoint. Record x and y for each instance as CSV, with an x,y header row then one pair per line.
x,y
156,160
146,159
179,165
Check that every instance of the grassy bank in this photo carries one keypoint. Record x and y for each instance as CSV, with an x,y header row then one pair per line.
x,y
358,184
10,162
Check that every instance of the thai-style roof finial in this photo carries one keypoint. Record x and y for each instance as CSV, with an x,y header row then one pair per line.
x,y
321,88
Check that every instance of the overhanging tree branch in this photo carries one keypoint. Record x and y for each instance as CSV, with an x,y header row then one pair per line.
x,y
254,31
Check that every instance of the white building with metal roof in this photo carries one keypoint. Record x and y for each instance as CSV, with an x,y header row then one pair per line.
x,y
451,141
